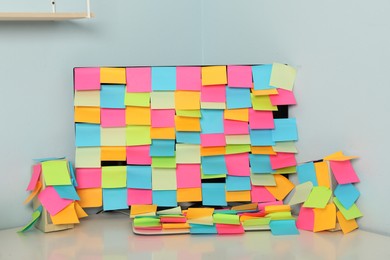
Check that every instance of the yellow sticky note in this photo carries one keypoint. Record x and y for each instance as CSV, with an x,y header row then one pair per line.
x,y
87,157
339,156
282,188
188,100
214,75
210,151
213,105
113,153
89,98
79,210
114,176
346,225
175,225
138,135
187,124
232,196
285,147
322,174
325,219
262,103
113,136
142,209
262,150
301,193
87,115
66,216
282,76
240,114
277,208
90,198
37,188
164,179
138,116
163,133
264,92
113,75
238,139
189,194
187,153
193,213
162,100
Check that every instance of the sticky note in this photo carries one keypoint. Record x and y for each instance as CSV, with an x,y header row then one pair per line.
x,y
90,198
263,179
256,222
318,197
56,172
212,140
67,192
237,148
260,163
239,76
113,153
237,164
283,227
214,75
212,121
285,147
114,199
79,210
163,78
261,119
89,178
138,79
343,172
162,100
187,100
285,130
261,76
138,116
347,194
148,221
212,105
189,113
162,148
187,124
137,99
339,156
187,153
261,137
164,162
261,194
284,97
139,155
34,218
110,117
194,213
36,173
188,137
139,196
139,177
203,229
89,98
233,127
264,92
213,164
113,75
277,208
189,194
282,76
142,209
262,150
51,201
66,216
138,135
322,173
112,96
307,172
213,194
301,193
164,179
87,135
262,205
346,225
351,213
164,133
238,98
86,78
235,196
238,139
163,117
305,220
113,136
216,93
225,229
87,115
238,183
34,192
114,176
188,78
226,219
239,114
262,103
87,157
165,198
325,219
286,170
282,188
282,160
212,176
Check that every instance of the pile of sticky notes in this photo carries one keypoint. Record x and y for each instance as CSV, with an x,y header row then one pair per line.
x,y
168,135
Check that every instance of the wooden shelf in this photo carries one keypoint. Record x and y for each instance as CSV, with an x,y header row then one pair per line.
x,y
43,16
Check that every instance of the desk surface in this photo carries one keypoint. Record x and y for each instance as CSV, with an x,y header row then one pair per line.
x,y
109,236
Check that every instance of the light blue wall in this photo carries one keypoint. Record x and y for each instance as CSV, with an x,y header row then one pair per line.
x,y
340,48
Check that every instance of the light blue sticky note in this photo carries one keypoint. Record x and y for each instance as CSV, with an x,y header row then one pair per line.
x,y
72,175
211,121
238,98
162,148
188,137
203,229
163,78
165,198
347,194
285,130
261,137
112,96
114,199
307,172
139,177
260,163
238,183
66,192
283,227
261,76
213,164
213,194
87,135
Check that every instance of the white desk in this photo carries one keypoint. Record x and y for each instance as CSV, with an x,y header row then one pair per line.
x,y
109,236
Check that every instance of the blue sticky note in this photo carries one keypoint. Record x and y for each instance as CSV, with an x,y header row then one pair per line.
x,y
261,76
260,163
213,194
72,175
163,78
165,198
114,199
203,229
211,121
87,135
188,137
66,192
261,137
139,177
283,227
238,183
162,148
213,164
285,130
112,96
238,98
347,194
307,172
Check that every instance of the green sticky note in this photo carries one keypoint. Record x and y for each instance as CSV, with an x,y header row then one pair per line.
x,y
225,211
188,113
56,172
280,215
237,148
34,217
212,176
282,76
137,99
286,170
285,147
226,219
256,222
146,222
138,135
164,162
301,193
351,213
263,179
188,153
318,197
262,103
87,157
114,176
164,179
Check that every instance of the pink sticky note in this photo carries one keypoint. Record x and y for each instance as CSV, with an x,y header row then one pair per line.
x,y
188,78
282,160
223,229
139,197
216,93
37,168
212,140
262,205
238,164
188,176
89,178
284,97
305,220
261,119
51,201
163,117
261,194
233,127
138,155
344,172
87,78
138,79
112,117
239,76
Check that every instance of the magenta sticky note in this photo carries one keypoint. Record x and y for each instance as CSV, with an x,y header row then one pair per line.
x,y
261,194
282,160
37,169
239,76
188,78
215,93
261,119
87,78
226,229
163,117
212,140
344,172
188,176
139,197
51,201
89,178
261,206
238,164
138,79
233,127
138,155
112,117
284,97
305,220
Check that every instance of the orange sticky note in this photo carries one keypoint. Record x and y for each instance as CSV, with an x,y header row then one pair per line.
x,y
214,75
66,216
262,150
322,174
209,151
138,116
187,100
325,219
189,194
346,225
113,153
175,225
90,198
113,75
265,92
193,213
79,210
87,115
282,188
163,133
187,124
277,208
241,114
232,196
250,206
37,188
339,156
142,209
